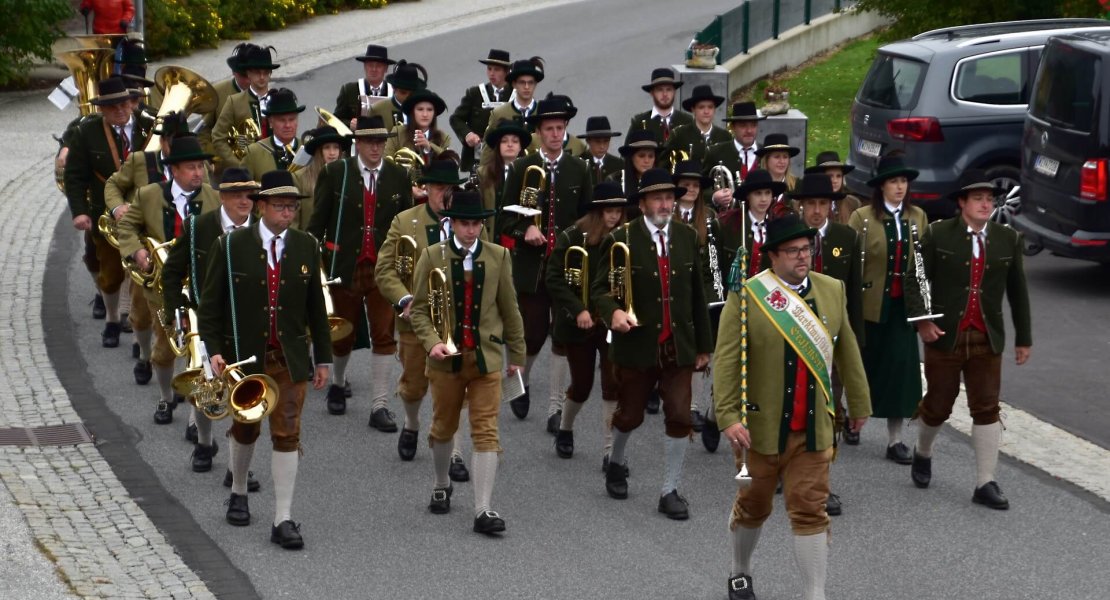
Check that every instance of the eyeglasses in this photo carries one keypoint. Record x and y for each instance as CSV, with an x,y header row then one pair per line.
x,y
795,251
284,207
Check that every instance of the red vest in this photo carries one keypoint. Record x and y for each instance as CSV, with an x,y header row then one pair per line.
x,y
369,203
273,279
899,269
468,310
665,285
973,314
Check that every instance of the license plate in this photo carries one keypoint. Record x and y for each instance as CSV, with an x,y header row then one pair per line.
x,y
869,148
1046,166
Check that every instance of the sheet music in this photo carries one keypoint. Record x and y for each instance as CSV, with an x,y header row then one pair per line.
x,y
512,386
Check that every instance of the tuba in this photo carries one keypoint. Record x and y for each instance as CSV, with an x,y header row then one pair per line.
x,y
440,308
88,66
578,278
620,277
250,398
183,91
328,118
405,261
337,325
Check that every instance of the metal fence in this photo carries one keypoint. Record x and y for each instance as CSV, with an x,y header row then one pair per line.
x,y
756,21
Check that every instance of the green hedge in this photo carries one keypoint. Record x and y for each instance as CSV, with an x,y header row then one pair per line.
x,y
911,17
27,31
175,27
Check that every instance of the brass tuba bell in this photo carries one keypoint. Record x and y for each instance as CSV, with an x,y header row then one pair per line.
x,y
250,398
578,278
88,66
185,92
441,309
328,118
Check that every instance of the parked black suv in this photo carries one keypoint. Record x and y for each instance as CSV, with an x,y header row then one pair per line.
x,y
1065,200
951,99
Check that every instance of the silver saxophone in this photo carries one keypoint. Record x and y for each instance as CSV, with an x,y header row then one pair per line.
x,y
718,285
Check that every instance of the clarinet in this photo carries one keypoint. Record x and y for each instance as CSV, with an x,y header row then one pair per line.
x,y
923,285
718,285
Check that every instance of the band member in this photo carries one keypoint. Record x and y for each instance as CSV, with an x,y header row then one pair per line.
x,y
663,117
737,155
524,76
774,157
405,79
890,352
225,88
426,225
798,329
829,163
268,320
158,215
356,200
663,341
419,132
507,139
695,139
259,65
109,16
971,263
129,63
185,266
471,119
836,253
375,64
575,326
478,293
276,152
325,146
598,137
639,152
98,145
531,240
756,194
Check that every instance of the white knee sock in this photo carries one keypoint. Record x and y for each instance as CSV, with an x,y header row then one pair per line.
x,y
743,545
381,378
925,439
339,370
412,415
204,427
608,407
145,337
894,431
528,362
459,437
560,372
674,450
483,466
111,307
163,376
441,460
240,465
985,439
570,411
620,440
811,553
283,468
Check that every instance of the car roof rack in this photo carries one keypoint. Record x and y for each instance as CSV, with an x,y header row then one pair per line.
x,y
1004,27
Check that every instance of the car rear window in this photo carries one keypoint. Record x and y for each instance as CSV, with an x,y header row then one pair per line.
x,y
1066,92
994,79
893,82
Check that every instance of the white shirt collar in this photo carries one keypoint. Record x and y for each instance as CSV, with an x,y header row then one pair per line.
x,y
655,113
468,259
267,235
653,232
531,105
555,161
176,191
364,167
823,229
278,143
227,224
801,286
752,222
972,232
740,148
893,208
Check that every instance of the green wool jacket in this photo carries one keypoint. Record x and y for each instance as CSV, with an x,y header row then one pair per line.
x,y
572,190
508,111
347,105
91,161
188,260
224,90
946,251
499,325
472,117
338,215
133,174
440,141
610,165
879,260
688,139
643,120
389,111
768,407
265,155
840,252
153,214
639,348
238,300
238,108
566,301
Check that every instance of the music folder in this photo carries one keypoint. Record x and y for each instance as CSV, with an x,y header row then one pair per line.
x,y
512,386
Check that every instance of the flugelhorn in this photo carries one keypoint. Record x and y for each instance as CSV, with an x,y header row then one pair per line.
x,y
250,398
338,327
578,278
530,194
184,91
441,309
620,277
405,260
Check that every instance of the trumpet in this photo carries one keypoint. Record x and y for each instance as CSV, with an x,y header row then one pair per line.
x,y
338,327
405,261
578,278
242,136
440,307
530,194
620,277
250,398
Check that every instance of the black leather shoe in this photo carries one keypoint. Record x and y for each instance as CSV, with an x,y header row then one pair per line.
x,y
441,501
99,310
489,522
697,420
710,435
564,443
125,323
674,506
136,352
899,453
616,482
458,471
553,422
833,507
238,513
921,470
191,434
605,466
287,534
337,400
143,371
990,495
520,405
347,389
163,415
406,444
252,483
202,458
382,420
652,406
109,338
740,588
851,436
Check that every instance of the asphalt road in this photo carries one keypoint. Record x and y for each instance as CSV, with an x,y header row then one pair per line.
x,y
367,529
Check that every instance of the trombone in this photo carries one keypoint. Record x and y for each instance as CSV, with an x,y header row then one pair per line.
x,y
578,278
620,277
440,308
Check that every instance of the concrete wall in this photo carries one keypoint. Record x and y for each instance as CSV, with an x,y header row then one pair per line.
x,y
798,45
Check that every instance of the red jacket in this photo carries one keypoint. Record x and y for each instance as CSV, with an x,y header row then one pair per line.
x,y
107,14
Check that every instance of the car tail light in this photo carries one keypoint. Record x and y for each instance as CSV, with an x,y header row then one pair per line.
x,y
1092,180
924,196
1083,242
915,129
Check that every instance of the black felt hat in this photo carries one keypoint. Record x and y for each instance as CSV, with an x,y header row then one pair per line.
x,y
172,124
185,148
815,185
701,92
661,76
112,90
497,58
442,171
532,66
235,61
280,101
890,167
639,139
423,96
314,139
466,204
551,108
829,160
776,142
744,111
238,179
655,180
130,51
598,127
759,179
972,180
257,57
277,184
508,127
408,76
376,53
372,127
785,228
691,169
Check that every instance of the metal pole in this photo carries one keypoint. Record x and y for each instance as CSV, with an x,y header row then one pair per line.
x,y
775,20
744,30
809,10
140,26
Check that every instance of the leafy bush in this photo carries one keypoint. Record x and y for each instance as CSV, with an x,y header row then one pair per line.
x,y
27,34
910,17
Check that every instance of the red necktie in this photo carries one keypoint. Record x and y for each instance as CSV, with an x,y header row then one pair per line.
x,y
744,166
666,128
274,278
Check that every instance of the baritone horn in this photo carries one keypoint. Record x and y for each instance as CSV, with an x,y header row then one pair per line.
x,y
239,138
158,252
578,278
185,92
328,118
620,276
440,308
338,327
108,228
250,398
412,162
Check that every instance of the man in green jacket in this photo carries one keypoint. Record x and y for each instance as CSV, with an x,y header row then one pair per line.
x,y
471,119
278,150
796,327
663,117
258,63
262,298
375,63
970,264
660,326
